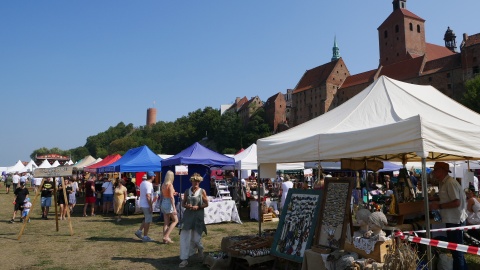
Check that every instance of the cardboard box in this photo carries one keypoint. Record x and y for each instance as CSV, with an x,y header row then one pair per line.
x,y
378,254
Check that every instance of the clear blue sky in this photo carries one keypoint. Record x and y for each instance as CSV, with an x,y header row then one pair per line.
x,y
72,69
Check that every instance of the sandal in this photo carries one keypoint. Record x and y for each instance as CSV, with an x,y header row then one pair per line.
x,y
183,264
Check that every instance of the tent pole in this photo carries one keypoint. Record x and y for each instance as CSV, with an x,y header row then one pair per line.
x,y
260,214
427,211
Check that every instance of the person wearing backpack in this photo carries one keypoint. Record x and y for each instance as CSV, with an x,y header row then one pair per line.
x,y
8,182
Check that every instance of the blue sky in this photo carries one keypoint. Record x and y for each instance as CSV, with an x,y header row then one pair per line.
x,y
72,69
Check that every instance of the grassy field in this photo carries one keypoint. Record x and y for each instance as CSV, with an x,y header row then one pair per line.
x,y
100,243
97,242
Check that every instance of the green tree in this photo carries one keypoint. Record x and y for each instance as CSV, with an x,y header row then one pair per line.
x,y
256,128
228,134
471,98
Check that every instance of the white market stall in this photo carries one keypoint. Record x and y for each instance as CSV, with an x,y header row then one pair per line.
x,y
389,120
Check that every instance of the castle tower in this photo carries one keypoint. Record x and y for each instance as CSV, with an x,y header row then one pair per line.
x,y
151,116
336,50
450,41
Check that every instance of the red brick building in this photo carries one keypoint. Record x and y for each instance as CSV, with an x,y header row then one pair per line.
x,y
275,111
404,55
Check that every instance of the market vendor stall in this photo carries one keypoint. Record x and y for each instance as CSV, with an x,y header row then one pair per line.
x,y
254,207
218,211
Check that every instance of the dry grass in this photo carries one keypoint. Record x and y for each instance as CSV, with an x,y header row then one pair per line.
x,y
97,242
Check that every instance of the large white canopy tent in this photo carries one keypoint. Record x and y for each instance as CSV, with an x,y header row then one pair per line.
x,y
389,120
29,167
247,160
45,164
18,167
86,161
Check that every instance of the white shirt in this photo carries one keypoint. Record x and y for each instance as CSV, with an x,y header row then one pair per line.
x,y
146,187
16,178
285,187
38,181
475,183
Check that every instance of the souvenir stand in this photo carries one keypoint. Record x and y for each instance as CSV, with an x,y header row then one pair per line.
x,y
388,120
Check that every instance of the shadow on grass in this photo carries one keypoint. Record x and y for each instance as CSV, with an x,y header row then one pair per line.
x,y
116,239
164,263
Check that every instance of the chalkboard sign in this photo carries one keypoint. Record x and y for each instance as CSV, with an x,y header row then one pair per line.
x,y
335,214
297,224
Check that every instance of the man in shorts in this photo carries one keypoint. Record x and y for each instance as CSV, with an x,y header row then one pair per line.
x,y
21,193
146,195
8,182
46,196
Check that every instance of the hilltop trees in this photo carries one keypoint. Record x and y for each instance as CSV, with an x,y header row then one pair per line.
x,y
221,133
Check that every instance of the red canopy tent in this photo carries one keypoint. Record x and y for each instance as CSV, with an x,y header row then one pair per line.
x,y
104,162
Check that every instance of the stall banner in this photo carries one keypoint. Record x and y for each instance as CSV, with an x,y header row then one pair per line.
x,y
181,170
53,172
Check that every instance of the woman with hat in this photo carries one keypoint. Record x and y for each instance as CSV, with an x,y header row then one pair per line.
x,y
193,222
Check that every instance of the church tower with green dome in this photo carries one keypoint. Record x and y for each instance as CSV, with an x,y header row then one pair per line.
x,y
336,50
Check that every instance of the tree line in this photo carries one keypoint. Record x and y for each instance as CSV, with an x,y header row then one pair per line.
x,y
221,133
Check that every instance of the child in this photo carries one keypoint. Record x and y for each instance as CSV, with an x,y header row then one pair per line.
x,y
26,208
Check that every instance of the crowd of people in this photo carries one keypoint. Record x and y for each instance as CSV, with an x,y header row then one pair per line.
x,y
458,207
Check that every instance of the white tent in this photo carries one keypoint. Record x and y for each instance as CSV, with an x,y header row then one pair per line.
x,y
16,168
86,161
389,120
45,164
247,160
70,162
30,166
55,164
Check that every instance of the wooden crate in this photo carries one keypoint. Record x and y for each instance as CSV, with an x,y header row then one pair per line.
x,y
378,254
267,217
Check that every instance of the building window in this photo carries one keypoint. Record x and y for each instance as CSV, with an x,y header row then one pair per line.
x,y
448,75
476,70
385,34
418,28
397,28
411,26
449,86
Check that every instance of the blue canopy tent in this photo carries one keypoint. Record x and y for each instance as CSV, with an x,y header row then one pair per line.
x,y
199,159
140,159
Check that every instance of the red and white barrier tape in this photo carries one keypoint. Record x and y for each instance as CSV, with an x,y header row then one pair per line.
x,y
464,228
442,244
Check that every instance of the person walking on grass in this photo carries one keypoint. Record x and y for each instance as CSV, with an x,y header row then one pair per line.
x,y
193,223
107,195
119,198
46,196
8,183
90,197
21,193
146,204
168,207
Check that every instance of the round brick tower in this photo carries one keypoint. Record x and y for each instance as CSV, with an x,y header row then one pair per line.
x,y
151,116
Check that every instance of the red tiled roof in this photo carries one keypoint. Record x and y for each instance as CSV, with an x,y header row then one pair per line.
x,y
403,70
445,63
473,40
315,76
360,78
273,98
435,51
401,13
